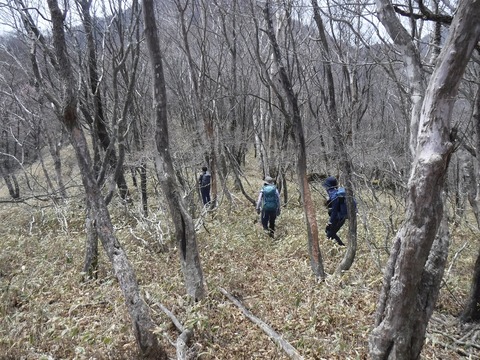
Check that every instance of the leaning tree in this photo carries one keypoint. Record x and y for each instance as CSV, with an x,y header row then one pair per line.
x,y
411,278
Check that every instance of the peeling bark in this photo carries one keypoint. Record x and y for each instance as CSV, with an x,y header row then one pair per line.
x,y
417,260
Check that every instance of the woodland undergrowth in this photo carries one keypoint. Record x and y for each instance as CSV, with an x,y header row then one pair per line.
x,y
48,312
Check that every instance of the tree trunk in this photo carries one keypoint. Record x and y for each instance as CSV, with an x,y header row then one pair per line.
x,y
143,187
340,143
90,264
412,63
405,304
67,112
471,312
99,125
184,227
316,261
12,185
57,161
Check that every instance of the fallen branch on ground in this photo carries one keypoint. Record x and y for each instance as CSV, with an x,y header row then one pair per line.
x,y
183,338
276,337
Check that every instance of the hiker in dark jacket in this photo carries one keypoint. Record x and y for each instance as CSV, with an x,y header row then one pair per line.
x,y
337,209
268,204
204,184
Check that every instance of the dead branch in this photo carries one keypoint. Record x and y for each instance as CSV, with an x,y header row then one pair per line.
x,y
276,337
183,338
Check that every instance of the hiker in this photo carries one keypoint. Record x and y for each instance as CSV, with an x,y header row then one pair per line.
x,y
204,184
268,204
337,208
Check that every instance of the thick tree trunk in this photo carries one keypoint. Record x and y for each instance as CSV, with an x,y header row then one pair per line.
x,y
184,227
471,312
409,289
139,312
316,261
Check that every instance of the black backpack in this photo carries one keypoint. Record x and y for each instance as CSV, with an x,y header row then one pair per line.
x,y
205,181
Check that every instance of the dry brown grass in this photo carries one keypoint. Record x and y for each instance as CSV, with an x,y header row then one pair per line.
x,y
48,313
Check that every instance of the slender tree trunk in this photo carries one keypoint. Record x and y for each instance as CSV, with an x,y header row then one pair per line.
x,y
90,264
316,261
184,227
57,161
198,76
99,119
415,265
67,112
143,187
11,182
340,144
412,63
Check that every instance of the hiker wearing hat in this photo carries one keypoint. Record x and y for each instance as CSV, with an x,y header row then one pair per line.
x,y
337,208
268,204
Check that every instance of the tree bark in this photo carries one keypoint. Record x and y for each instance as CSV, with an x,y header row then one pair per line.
x,y
316,261
401,318
184,227
340,143
412,63
471,312
67,112
99,121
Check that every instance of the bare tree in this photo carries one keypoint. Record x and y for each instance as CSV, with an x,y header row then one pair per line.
x,y
411,280
66,109
316,261
339,141
184,227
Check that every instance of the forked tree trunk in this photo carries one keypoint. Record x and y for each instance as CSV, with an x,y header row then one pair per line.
x,y
410,285
67,111
316,261
184,227
99,124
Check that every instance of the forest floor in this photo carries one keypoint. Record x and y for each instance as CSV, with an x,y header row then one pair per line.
x,y
48,312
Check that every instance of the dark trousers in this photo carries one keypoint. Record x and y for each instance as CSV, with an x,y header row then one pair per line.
x,y
332,230
205,190
268,221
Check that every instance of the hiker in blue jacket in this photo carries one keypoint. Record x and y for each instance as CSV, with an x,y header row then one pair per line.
x,y
337,208
268,204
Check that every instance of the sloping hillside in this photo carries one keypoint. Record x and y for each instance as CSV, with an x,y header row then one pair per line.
x,y
47,312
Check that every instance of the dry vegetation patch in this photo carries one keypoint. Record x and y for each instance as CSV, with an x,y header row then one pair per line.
x,y
49,313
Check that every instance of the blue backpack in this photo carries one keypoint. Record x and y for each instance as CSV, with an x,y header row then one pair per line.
x,y
270,201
